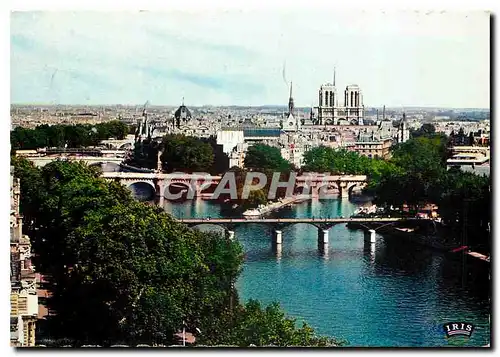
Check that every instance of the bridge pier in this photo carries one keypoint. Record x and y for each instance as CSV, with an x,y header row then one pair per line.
x,y
322,237
277,237
278,250
370,234
323,249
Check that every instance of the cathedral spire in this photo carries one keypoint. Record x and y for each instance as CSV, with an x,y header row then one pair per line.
x,y
334,72
182,101
290,100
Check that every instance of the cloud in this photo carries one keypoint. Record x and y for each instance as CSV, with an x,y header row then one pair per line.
x,y
234,57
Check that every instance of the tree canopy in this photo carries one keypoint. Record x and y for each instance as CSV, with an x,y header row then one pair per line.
x,y
179,153
265,157
255,325
426,129
343,162
420,177
74,136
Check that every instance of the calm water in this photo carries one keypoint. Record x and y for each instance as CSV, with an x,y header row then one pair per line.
x,y
392,293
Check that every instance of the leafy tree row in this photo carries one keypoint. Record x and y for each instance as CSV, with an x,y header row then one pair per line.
x,y
416,175
178,153
265,157
74,136
123,272
343,162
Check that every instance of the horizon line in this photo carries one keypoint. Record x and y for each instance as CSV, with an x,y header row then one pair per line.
x,y
403,107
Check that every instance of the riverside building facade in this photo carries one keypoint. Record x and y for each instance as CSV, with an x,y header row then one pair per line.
x,y
23,280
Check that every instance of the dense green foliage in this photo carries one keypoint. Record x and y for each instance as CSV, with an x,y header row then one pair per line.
x,y
463,198
421,164
74,136
426,129
265,157
179,153
416,175
253,325
120,270
123,272
186,153
342,162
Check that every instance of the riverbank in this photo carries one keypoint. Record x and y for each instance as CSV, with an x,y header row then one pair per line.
x,y
450,248
274,206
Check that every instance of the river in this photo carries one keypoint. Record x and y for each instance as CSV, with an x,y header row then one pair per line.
x,y
393,293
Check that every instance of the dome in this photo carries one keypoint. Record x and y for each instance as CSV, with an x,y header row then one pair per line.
x,y
182,113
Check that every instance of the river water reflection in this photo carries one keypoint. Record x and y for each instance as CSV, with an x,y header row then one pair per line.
x,y
392,293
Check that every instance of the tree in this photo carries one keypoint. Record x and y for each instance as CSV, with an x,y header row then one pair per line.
x,y
417,174
186,153
221,160
75,136
145,154
113,129
253,325
426,129
261,156
256,198
337,162
416,168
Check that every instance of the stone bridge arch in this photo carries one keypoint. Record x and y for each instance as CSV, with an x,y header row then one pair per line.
x,y
352,185
133,185
126,146
321,189
170,189
103,164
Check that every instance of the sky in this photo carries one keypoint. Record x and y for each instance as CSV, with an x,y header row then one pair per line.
x,y
215,57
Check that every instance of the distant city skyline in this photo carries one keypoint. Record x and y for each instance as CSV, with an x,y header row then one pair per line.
x,y
399,59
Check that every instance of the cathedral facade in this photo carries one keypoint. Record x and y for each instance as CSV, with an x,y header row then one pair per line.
x,y
336,108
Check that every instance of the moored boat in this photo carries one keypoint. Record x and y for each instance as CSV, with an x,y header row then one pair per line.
x,y
252,213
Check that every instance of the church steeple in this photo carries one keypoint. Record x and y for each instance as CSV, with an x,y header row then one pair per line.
x,y
290,101
334,72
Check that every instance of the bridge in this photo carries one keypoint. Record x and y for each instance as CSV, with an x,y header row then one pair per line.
x,y
90,160
322,224
126,143
194,184
101,157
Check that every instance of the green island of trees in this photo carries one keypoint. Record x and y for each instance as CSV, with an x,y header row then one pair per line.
x,y
415,176
123,272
